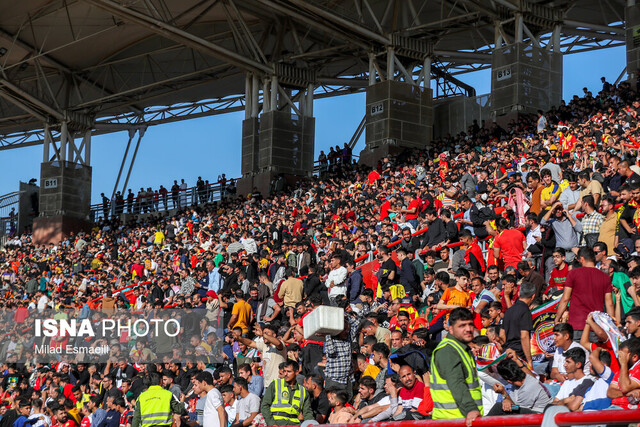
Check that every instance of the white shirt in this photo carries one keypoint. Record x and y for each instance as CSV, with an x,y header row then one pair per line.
x,y
43,420
249,245
531,236
569,385
338,277
247,405
599,388
42,302
558,359
232,411
542,123
210,414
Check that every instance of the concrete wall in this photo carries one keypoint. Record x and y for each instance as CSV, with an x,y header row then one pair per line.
x,y
55,228
455,114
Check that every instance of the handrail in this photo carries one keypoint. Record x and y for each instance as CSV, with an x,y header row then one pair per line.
x,y
397,242
212,186
117,291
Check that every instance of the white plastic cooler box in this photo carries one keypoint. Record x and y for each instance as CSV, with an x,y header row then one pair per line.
x,y
324,320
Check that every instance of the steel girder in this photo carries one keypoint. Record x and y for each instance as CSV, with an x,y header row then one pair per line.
x,y
109,61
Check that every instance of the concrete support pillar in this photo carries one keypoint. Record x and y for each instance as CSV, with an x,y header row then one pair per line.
x,y
372,69
48,141
525,78
248,83
255,96
390,63
274,93
426,71
632,18
556,38
278,144
310,100
266,97
519,35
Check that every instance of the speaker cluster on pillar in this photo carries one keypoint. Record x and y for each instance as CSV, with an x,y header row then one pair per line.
x,y
65,189
398,115
632,18
65,185
524,79
286,143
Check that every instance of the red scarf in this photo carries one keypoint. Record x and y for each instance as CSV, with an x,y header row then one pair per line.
x,y
477,252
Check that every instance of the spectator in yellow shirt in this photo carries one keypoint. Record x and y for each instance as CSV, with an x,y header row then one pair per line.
x,y
158,237
241,314
551,190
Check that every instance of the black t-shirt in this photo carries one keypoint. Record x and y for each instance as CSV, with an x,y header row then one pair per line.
x,y
320,405
385,269
633,180
627,214
517,318
375,399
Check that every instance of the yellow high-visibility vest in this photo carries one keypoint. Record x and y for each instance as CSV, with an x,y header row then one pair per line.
x,y
444,405
155,407
286,406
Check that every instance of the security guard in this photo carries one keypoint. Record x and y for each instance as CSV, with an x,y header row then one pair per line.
x,y
156,406
455,388
286,403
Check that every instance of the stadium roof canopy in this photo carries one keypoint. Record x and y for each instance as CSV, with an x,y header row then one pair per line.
x,y
109,64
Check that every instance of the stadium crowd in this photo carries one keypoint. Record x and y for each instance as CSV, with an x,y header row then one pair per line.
x,y
437,323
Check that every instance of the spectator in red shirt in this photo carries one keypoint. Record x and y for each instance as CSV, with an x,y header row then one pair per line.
x,y
589,290
373,177
559,273
386,206
413,209
64,420
21,314
410,395
508,245
628,379
138,268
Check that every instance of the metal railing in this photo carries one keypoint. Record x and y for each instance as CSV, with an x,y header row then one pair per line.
x,y
8,220
365,262
152,202
550,418
184,198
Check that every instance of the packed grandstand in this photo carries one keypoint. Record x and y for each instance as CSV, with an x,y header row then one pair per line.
x,y
527,235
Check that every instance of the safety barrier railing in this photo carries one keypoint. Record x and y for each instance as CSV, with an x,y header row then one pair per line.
x,y
551,418
320,167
